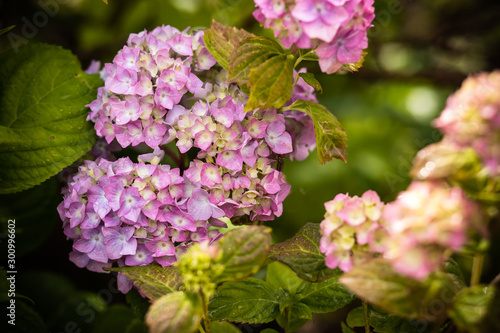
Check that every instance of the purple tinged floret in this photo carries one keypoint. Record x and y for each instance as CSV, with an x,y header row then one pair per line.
x,y
336,29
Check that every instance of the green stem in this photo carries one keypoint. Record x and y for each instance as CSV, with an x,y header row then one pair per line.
x,y
365,316
477,268
204,304
287,320
298,61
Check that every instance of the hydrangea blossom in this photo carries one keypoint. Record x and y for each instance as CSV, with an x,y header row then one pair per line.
x,y
472,118
335,28
351,230
426,220
133,214
147,78
163,86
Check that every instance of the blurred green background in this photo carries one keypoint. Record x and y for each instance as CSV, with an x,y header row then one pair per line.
x,y
419,52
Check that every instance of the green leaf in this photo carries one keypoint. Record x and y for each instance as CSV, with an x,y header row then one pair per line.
x,y
299,314
249,54
33,223
271,83
326,296
301,253
223,327
355,317
346,329
247,301
115,318
138,304
59,303
308,55
452,268
353,66
153,281
281,276
244,251
379,284
268,330
330,135
5,30
173,313
43,127
471,308
136,326
221,41
387,323
27,320
311,80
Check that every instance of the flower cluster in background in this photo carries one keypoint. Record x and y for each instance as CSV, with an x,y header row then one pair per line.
x,y
164,87
417,232
433,218
425,224
335,28
472,118
351,230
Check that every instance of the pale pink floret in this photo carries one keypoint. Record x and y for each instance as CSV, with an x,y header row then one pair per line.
x,y
349,228
422,223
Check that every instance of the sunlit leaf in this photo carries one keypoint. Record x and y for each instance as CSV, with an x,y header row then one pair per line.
x,y
246,301
5,30
221,41
152,280
43,127
326,296
223,327
379,284
301,253
244,251
330,135
311,80
471,309
250,53
271,83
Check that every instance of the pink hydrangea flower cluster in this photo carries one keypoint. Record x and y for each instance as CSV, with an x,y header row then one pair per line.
x,y
423,224
236,151
351,230
134,213
335,28
147,78
163,87
472,118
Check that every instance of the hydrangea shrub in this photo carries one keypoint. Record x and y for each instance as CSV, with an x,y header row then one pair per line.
x,y
228,108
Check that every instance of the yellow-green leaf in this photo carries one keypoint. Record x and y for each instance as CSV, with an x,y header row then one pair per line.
x,y
221,41
330,135
271,83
